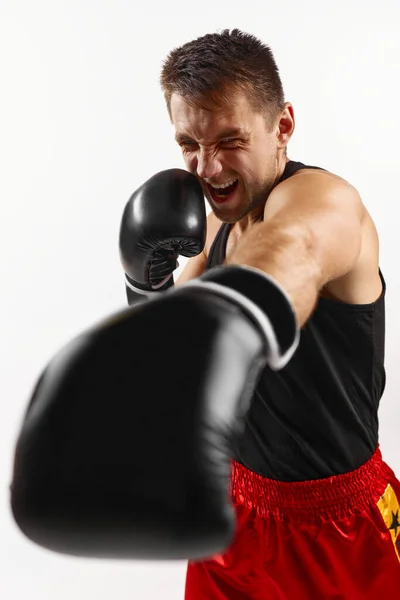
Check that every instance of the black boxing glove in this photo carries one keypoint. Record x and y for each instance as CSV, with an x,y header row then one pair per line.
x,y
121,456
164,218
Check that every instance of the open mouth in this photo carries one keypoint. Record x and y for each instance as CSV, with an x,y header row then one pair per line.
x,y
224,192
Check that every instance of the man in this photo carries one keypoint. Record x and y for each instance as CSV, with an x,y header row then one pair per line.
x,y
315,422
285,338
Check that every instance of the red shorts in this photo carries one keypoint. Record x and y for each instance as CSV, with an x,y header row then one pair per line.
x,y
331,539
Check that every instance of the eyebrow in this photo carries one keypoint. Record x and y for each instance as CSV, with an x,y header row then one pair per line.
x,y
226,133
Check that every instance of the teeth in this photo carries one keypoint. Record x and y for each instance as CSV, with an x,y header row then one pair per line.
x,y
224,185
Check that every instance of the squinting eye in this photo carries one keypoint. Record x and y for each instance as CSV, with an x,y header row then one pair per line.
x,y
233,142
187,145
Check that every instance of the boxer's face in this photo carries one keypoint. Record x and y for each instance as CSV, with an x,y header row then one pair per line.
x,y
233,146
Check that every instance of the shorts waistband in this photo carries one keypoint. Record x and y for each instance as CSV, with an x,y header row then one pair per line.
x,y
311,501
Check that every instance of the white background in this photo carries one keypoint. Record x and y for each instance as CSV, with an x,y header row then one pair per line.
x,y
83,123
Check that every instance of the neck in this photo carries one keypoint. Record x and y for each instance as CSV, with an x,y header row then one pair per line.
x,y
256,215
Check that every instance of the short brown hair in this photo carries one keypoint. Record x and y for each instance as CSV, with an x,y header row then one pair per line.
x,y
213,67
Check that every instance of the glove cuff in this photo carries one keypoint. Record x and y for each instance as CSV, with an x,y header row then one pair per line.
x,y
264,301
136,293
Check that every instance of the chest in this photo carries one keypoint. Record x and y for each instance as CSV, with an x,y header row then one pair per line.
x,y
231,242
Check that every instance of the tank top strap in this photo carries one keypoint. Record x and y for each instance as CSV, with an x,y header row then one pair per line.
x,y
216,256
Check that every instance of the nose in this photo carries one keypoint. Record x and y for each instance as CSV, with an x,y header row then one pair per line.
x,y
208,165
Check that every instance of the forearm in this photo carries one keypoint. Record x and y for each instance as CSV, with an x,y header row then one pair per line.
x,y
287,257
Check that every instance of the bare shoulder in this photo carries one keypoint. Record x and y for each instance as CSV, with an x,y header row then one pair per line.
x,y
340,187
318,178
311,185
310,190
362,285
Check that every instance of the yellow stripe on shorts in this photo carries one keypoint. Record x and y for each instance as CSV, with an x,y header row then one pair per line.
x,y
389,507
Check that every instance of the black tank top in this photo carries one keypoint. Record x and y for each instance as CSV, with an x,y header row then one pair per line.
x,y
317,417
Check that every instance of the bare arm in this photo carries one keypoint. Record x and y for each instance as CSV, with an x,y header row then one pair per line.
x,y
311,235
196,265
194,268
